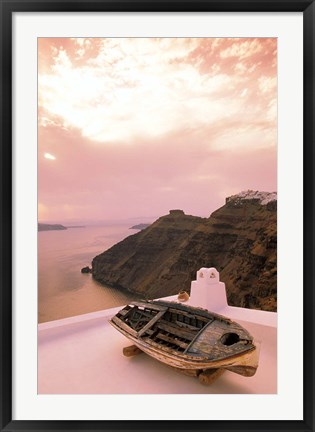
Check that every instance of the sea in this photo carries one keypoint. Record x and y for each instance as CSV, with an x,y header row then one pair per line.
x,y
63,291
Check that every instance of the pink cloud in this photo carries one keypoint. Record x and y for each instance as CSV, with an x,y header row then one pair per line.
x,y
137,127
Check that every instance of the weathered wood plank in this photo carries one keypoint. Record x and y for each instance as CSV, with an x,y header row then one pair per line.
x,y
200,312
151,323
171,328
191,345
189,315
149,332
145,313
171,340
149,306
247,371
124,312
188,326
124,326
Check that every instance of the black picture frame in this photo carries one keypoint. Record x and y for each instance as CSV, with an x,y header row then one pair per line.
x,y
8,7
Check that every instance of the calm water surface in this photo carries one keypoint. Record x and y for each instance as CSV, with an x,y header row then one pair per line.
x,y
63,290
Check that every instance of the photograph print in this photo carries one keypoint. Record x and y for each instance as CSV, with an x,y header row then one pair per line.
x,y
157,215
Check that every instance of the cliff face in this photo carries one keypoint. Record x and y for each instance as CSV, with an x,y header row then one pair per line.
x,y
239,239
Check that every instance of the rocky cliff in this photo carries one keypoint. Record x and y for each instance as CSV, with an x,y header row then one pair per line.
x,y
239,239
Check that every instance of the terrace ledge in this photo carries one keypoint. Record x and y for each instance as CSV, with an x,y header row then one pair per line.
x,y
83,354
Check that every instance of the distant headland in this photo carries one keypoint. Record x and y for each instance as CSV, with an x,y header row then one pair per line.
x,y
140,226
56,227
50,227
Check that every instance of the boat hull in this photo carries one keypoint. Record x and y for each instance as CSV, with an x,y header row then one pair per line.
x,y
184,346
244,364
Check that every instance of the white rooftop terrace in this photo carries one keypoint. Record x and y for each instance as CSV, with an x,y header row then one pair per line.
x,y
83,354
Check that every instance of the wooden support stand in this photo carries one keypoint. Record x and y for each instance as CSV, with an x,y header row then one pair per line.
x,y
208,376
131,351
188,372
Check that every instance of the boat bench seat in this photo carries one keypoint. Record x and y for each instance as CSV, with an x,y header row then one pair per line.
x,y
173,329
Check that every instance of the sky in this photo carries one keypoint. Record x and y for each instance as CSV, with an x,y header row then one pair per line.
x,y
134,127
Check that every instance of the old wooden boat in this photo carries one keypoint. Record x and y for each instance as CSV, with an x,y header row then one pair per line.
x,y
188,338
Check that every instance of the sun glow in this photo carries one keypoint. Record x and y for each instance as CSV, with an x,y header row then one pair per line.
x,y
49,156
